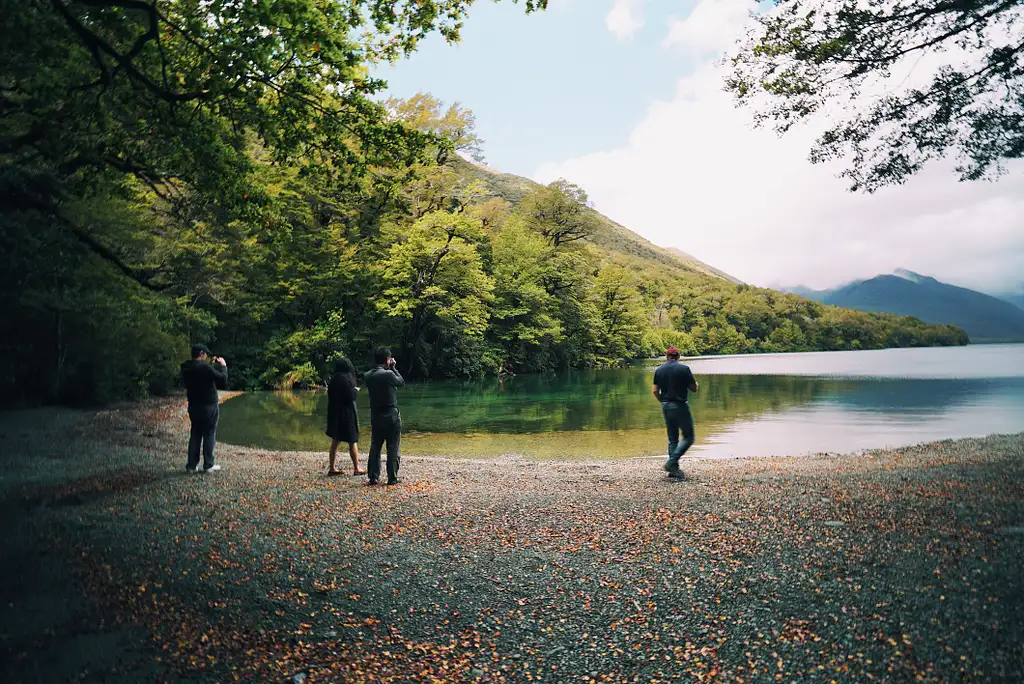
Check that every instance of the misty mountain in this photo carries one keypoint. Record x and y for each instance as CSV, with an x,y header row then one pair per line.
x,y
1015,298
984,317
816,295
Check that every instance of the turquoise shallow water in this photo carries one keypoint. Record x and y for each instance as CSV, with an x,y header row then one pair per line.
x,y
748,406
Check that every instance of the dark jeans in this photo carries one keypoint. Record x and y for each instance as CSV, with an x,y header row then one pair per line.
x,y
677,417
385,427
204,434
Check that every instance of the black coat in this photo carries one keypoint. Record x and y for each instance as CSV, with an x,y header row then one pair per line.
x,y
342,419
202,380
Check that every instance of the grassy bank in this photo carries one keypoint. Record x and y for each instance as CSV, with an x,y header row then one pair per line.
x,y
895,565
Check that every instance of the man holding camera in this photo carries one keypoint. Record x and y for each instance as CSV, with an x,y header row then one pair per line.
x,y
202,380
385,420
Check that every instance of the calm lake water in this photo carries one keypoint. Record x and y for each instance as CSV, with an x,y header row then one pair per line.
x,y
758,405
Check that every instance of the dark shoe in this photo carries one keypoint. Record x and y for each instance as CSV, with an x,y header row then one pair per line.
x,y
371,483
393,482
676,474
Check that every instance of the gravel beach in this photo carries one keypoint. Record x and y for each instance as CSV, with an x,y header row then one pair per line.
x,y
893,565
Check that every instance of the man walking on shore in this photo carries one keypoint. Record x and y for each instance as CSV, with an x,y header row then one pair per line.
x,y
202,380
672,380
385,420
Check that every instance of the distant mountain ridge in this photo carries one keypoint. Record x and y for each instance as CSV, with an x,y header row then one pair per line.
x,y
905,293
1015,298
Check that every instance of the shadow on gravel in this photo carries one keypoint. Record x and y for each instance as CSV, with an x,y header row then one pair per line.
x,y
78,492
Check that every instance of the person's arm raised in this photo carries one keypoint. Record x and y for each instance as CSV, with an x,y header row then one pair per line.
x,y
220,373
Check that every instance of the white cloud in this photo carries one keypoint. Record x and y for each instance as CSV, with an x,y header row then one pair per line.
x,y
625,18
696,175
712,27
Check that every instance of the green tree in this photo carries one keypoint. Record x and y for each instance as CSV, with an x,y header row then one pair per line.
x,y
170,92
788,337
619,312
432,275
720,338
804,54
523,316
426,113
560,212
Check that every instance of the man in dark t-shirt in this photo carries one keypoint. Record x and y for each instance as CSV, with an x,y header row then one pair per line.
x,y
672,381
202,380
385,420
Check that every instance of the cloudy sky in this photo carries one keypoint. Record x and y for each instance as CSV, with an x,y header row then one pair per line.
x,y
624,98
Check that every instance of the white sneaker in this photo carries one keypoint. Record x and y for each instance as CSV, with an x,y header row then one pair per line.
x,y
190,471
211,469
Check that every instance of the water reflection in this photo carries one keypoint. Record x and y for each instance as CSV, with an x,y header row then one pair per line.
x,y
612,413
875,414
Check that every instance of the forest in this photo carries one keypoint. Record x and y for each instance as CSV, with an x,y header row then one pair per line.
x,y
229,173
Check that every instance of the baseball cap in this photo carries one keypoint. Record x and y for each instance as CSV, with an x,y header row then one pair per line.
x,y
672,351
198,349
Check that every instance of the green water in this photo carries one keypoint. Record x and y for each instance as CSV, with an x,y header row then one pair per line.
x,y
775,404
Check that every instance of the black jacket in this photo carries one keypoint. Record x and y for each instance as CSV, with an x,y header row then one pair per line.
x,y
382,384
202,381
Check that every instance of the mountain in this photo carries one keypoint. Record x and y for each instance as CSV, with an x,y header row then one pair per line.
x,y
984,317
692,260
1015,298
806,292
609,235
653,297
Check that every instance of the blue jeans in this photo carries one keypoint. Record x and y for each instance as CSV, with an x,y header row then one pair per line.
x,y
677,418
204,434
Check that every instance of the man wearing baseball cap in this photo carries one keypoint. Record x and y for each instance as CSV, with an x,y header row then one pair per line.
x,y
201,382
672,380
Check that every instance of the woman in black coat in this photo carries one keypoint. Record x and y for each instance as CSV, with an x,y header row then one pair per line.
x,y
342,420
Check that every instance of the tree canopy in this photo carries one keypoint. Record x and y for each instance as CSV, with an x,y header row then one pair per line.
x,y
175,94
217,171
955,82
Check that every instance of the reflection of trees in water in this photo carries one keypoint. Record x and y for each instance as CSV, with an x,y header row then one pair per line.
x,y
278,420
609,400
302,402
612,400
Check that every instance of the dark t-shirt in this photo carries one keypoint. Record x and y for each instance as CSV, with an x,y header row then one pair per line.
x,y
202,380
673,379
382,383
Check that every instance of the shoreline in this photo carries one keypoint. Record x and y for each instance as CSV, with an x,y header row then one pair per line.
x,y
581,447
893,564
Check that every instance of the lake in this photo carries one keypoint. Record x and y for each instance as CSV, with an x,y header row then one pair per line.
x,y
753,405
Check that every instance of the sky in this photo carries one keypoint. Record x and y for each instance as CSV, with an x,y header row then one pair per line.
x,y
624,98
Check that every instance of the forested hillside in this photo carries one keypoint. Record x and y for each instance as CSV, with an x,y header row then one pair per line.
x,y
179,175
